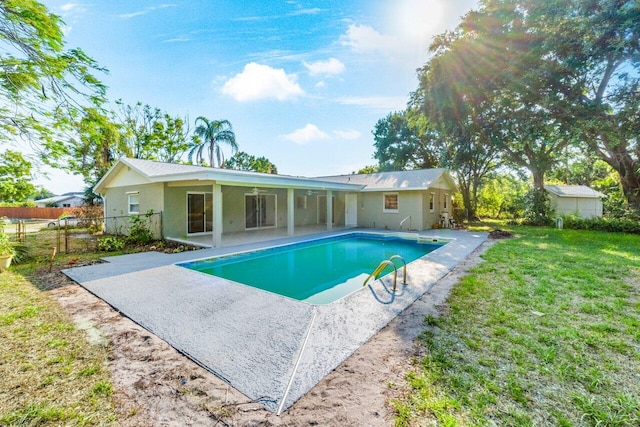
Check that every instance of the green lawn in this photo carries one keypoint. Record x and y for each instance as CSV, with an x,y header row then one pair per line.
x,y
49,373
546,331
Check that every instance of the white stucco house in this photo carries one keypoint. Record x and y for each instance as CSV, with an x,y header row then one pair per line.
x,y
575,200
67,200
205,204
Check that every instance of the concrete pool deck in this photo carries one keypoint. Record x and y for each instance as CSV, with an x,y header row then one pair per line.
x,y
271,348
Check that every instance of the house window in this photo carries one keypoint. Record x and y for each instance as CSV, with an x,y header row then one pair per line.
x,y
390,203
445,204
301,202
432,202
66,205
134,204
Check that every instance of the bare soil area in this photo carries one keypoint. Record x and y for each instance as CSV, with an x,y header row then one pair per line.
x,y
156,385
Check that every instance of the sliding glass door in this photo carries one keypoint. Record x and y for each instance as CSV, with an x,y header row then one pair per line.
x,y
199,213
260,211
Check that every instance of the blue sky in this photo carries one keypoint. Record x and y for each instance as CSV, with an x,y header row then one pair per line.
x,y
303,83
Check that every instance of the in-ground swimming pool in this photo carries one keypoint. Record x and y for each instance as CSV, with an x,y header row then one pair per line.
x,y
319,271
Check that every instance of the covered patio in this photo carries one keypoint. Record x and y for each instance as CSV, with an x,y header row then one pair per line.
x,y
253,236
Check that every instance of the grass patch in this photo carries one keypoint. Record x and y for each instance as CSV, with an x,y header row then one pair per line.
x,y
50,374
545,332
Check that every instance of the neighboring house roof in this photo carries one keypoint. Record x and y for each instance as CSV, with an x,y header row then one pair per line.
x,y
397,180
172,172
59,199
574,191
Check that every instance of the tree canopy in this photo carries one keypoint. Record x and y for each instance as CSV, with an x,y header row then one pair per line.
x,y
152,134
15,177
209,135
538,77
247,162
42,84
404,144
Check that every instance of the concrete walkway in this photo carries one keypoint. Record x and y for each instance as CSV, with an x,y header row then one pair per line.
x,y
271,348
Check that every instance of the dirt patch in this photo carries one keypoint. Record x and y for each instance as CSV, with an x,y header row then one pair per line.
x,y
46,278
156,385
500,234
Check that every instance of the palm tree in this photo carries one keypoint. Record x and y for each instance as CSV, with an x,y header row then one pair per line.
x,y
208,136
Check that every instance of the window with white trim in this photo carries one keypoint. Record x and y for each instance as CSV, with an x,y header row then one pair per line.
x,y
134,203
432,202
390,202
445,204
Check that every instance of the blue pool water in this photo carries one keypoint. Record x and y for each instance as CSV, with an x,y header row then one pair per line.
x,y
318,271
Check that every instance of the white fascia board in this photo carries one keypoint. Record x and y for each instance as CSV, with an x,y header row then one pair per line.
x,y
370,190
251,180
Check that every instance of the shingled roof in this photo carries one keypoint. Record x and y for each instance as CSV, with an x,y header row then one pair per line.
x,y
396,180
574,191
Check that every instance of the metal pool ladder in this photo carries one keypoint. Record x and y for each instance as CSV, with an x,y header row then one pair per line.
x,y
380,268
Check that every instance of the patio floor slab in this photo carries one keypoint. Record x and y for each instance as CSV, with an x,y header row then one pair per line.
x,y
271,348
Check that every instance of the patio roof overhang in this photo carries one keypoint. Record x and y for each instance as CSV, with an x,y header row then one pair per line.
x,y
264,181
183,175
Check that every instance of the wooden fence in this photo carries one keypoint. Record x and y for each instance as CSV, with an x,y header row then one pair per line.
x,y
32,213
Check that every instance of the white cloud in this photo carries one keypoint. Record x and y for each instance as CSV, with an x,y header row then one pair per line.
x,y
306,134
67,7
330,67
381,103
310,11
145,11
347,134
258,81
71,13
365,39
180,39
407,30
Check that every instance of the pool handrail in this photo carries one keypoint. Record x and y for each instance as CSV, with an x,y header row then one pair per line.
x,y
380,268
404,267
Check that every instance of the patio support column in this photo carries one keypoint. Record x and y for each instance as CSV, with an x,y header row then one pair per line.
x,y
329,210
217,215
290,212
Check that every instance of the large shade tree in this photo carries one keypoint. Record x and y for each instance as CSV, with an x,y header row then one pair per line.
x,y
482,82
545,75
404,142
97,144
458,115
152,134
15,177
42,84
209,135
247,162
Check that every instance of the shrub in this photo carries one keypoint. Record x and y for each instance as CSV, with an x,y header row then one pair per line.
x,y
139,232
22,253
110,244
539,210
611,225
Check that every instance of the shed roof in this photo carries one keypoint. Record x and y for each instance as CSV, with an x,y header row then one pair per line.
x,y
418,179
574,191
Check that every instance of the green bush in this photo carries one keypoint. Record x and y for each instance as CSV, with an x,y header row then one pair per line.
x,y
611,225
139,232
539,210
110,244
22,253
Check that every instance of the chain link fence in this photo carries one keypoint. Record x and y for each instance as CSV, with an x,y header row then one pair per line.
x,y
81,234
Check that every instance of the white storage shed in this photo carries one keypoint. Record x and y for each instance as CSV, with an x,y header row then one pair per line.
x,y
575,200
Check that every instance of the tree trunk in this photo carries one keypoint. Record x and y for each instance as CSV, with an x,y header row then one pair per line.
x,y
468,203
631,189
619,158
538,178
